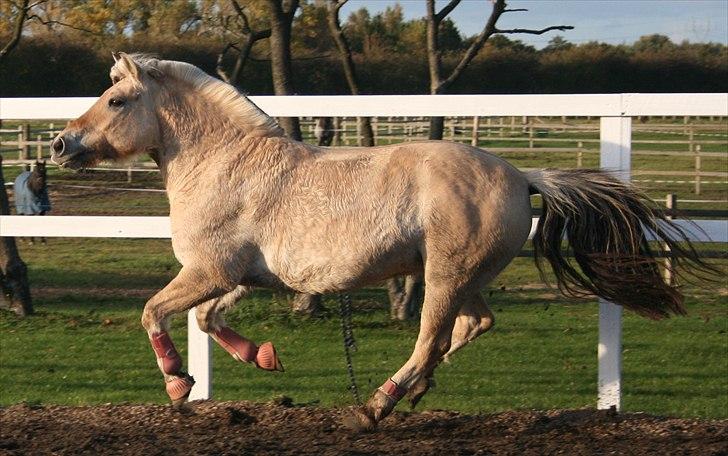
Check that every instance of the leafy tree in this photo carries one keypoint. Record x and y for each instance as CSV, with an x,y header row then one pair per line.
x,y
558,44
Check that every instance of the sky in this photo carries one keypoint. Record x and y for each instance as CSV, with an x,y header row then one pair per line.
x,y
614,22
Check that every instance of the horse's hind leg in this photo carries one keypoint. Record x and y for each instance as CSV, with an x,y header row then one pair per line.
x,y
190,288
438,318
473,319
211,321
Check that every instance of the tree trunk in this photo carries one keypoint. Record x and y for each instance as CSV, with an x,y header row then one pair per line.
x,y
405,296
437,127
13,272
17,29
280,60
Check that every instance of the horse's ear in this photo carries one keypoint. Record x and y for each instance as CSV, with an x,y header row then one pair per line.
x,y
116,57
128,65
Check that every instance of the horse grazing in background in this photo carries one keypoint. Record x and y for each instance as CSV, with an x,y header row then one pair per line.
x,y
250,207
30,191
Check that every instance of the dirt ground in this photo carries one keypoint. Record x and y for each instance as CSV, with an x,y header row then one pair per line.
x,y
242,428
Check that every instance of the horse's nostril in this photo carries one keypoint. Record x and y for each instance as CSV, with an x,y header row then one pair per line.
x,y
58,146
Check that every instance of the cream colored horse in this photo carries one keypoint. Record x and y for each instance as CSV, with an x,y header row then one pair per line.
x,y
250,207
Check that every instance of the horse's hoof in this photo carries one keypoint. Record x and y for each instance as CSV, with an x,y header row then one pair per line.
x,y
267,358
178,389
359,421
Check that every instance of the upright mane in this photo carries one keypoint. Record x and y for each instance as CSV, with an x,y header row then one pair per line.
x,y
249,116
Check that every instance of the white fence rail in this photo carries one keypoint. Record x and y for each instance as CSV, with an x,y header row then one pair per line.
x,y
615,111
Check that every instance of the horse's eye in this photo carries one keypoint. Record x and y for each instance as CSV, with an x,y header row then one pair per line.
x,y
116,102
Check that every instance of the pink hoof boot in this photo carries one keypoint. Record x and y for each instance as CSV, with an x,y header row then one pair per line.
x,y
267,358
178,389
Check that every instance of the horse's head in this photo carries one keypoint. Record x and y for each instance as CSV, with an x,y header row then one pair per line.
x,y
38,178
121,124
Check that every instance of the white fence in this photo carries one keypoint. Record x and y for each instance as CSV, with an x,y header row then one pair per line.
x,y
615,111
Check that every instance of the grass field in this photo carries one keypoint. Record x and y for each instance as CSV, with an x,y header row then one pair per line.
x,y
85,344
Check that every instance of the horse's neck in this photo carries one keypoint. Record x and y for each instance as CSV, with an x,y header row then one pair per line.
x,y
201,138
232,159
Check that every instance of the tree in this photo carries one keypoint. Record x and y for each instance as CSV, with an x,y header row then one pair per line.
x,y
347,62
20,13
14,287
439,83
281,13
244,40
557,44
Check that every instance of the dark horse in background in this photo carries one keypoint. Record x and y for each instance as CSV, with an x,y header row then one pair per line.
x,y
31,192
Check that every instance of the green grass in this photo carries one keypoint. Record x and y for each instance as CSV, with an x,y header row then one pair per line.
x,y
85,344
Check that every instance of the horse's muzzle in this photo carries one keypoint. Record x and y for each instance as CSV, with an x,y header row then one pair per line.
x,y
67,152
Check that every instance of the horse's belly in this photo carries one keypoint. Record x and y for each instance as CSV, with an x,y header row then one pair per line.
x,y
326,270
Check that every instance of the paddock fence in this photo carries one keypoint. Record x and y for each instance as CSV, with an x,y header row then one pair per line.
x,y
615,113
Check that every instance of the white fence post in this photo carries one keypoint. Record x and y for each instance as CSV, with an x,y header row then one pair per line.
x,y
199,358
615,155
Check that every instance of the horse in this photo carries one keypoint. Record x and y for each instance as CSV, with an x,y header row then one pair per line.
x,y
30,191
250,207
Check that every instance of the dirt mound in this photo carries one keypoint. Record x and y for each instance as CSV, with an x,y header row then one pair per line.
x,y
236,428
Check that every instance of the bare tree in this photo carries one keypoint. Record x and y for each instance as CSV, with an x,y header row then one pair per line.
x,y
31,12
347,62
281,22
23,10
14,287
244,46
440,83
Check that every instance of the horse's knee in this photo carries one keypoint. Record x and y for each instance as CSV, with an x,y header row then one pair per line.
x,y
207,319
148,318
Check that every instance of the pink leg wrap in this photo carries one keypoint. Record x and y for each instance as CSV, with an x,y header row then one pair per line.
x,y
393,390
238,346
168,359
242,349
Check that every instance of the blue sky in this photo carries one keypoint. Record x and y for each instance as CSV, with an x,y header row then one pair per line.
x,y
615,22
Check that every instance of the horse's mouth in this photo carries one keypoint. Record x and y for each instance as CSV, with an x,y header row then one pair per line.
x,y
74,161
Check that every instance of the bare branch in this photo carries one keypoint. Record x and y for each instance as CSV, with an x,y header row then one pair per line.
x,y
514,10
537,32
337,4
446,10
17,29
241,15
499,7
64,24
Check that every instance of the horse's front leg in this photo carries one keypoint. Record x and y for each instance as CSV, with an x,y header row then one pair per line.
x,y
190,288
211,321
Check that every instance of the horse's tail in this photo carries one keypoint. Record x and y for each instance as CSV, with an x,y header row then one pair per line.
x,y
606,222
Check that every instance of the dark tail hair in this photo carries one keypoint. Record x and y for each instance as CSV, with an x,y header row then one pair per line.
x,y
606,221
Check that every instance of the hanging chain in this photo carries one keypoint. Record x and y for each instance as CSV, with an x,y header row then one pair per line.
x,y
349,342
